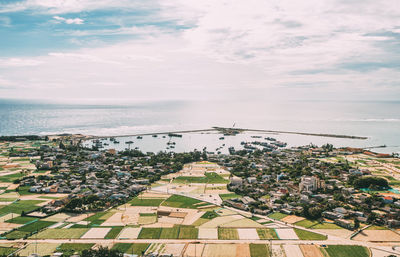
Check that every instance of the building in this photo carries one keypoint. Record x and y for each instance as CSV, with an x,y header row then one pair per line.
x,y
310,184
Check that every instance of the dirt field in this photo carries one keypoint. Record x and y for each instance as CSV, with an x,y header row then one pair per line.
x,y
8,216
96,233
248,233
243,223
194,250
343,233
311,251
80,217
208,233
220,250
219,221
42,249
174,249
131,233
8,226
292,251
242,250
58,217
377,236
292,219
277,251
286,233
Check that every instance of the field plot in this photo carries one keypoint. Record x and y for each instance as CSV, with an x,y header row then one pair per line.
x,y
286,233
259,250
242,223
220,250
61,233
344,233
96,233
219,221
208,233
227,234
247,233
377,236
131,233
179,201
113,233
194,250
307,235
292,219
42,249
140,201
188,232
243,250
8,216
311,251
174,249
147,218
277,251
346,251
58,217
292,251
266,233
277,215
21,220
137,249
169,233
150,233
70,248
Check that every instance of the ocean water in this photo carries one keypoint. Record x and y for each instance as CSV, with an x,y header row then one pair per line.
x,y
379,121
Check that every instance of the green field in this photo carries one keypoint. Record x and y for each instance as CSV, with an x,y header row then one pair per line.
x,y
277,215
227,234
169,233
229,196
61,233
209,178
306,223
149,233
20,206
137,249
11,177
267,233
326,225
137,201
209,215
36,226
113,233
24,190
374,227
17,234
259,250
307,235
21,220
4,251
346,251
179,201
70,248
188,232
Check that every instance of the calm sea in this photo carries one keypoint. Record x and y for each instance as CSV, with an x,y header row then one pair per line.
x,y
379,121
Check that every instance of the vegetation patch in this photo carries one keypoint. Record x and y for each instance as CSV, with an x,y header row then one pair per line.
x,y
307,235
169,233
113,233
5,251
36,226
17,234
227,234
346,251
179,201
266,233
229,196
21,220
209,215
209,178
70,248
259,250
277,215
149,233
62,233
137,201
21,206
188,232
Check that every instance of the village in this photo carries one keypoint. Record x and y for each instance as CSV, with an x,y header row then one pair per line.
x,y
301,201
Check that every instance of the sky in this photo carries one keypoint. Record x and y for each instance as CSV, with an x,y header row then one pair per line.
x,y
275,50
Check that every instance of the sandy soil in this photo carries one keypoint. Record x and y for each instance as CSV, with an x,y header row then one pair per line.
x,y
194,250
292,219
165,219
243,223
220,250
286,233
8,226
219,221
208,233
154,194
292,251
377,236
192,217
247,233
96,233
174,249
131,233
311,251
242,250
58,217
80,217
277,251
343,233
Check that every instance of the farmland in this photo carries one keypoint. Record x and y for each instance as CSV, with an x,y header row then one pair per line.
x,y
346,251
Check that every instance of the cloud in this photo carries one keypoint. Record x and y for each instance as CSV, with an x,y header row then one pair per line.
x,y
19,62
68,21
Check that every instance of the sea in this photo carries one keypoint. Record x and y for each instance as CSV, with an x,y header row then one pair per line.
x,y
379,121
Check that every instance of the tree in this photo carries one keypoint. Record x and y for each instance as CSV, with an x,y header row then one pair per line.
x,y
356,223
101,252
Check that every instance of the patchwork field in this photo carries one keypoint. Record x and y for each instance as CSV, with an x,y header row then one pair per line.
x,y
267,233
227,234
346,251
61,233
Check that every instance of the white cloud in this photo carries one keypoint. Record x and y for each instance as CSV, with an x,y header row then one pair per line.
x,y
68,21
19,62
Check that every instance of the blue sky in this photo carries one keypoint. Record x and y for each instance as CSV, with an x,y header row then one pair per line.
x,y
187,49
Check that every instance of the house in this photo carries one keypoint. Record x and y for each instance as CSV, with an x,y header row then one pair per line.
x,y
344,223
310,184
236,181
332,215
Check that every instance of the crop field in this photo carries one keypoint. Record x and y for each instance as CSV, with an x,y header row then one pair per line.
x,y
259,250
20,206
70,248
188,232
292,219
58,217
179,201
326,225
267,233
16,234
209,178
242,223
137,201
229,196
346,251
150,233
292,251
147,218
169,233
227,234
306,223
61,233
277,215
248,233
113,233
5,251
286,233
21,220
43,249
220,250
36,226
307,235
137,249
